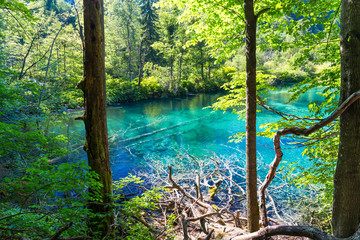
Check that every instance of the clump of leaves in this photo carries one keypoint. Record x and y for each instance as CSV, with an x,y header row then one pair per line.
x,y
235,98
46,198
135,213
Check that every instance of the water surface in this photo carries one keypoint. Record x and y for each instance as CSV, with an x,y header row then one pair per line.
x,y
163,127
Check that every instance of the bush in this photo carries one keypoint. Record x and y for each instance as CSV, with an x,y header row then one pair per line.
x,y
289,77
152,86
189,85
46,198
120,90
225,73
142,206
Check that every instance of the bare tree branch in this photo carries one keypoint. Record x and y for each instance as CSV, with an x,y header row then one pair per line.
x,y
302,231
60,231
9,11
47,69
81,33
332,24
282,114
21,75
262,11
175,185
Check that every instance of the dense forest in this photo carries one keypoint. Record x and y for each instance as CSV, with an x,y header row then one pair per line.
x,y
66,59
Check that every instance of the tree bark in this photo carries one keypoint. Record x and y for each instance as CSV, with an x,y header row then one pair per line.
x,y
172,59
202,61
94,87
251,169
64,58
141,63
180,71
346,203
209,69
129,47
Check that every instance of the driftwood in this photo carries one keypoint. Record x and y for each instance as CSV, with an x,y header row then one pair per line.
x,y
187,196
299,231
296,131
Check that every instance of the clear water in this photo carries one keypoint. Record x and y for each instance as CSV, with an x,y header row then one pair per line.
x,y
163,127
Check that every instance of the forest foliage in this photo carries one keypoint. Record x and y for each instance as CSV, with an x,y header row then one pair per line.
x,y
154,49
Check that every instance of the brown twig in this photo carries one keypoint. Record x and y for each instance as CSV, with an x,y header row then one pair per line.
x,y
60,231
331,25
299,231
146,224
175,185
282,114
262,11
208,237
303,231
193,219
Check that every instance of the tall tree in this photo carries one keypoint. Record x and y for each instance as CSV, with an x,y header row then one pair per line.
x,y
346,203
251,169
149,35
129,14
167,45
123,37
93,86
223,19
346,198
216,19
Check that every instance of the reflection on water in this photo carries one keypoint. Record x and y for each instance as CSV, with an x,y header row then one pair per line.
x,y
162,127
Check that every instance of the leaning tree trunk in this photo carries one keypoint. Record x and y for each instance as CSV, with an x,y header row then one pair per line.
x,y
346,205
251,171
93,86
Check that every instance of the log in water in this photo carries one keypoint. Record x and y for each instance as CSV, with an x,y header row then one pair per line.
x,y
160,128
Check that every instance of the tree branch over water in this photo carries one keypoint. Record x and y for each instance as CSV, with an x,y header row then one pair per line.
x,y
296,131
282,114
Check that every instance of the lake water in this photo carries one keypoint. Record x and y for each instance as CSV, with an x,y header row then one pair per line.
x,y
163,127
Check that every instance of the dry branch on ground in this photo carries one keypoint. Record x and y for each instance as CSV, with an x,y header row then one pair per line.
x,y
207,197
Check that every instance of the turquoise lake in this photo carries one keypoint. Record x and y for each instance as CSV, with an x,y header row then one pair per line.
x,y
161,128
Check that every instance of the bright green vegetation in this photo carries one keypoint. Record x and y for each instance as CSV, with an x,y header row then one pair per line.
x,y
46,198
154,49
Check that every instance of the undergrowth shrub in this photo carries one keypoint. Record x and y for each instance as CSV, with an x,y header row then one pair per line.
x,y
47,198
132,211
152,86
225,73
120,90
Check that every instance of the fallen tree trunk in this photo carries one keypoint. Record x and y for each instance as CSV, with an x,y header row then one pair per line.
x,y
299,231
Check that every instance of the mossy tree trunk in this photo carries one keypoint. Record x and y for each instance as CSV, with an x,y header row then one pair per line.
x,y
346,205
94,88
